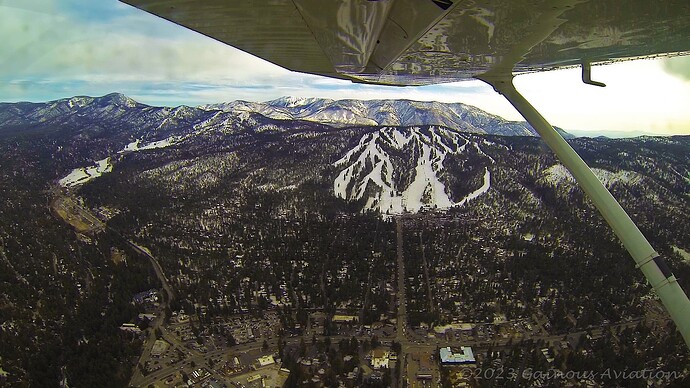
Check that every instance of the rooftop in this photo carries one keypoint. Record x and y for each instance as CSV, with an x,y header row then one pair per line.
x,y
463,357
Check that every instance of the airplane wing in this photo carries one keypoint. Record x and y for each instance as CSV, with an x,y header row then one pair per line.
x,y
418,42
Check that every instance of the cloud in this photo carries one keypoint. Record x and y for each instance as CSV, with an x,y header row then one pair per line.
x,y
73,47
678,66
41,6
111,50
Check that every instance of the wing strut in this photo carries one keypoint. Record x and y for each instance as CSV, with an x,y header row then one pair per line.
x,y
587,75
646,258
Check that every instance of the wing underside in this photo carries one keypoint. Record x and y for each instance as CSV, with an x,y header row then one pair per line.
x,y
417,42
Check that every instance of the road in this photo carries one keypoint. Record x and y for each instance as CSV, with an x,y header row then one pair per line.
x,y
137,377
156,267
83,221
402,304
430,298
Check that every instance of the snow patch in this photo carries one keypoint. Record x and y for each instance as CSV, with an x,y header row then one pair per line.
x,y
426,188
558,174
683,253
133,146
400,140
480,191
609,177
136,144
368,170
167,142
81,175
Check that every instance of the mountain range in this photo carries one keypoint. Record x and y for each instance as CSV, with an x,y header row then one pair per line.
x,y
461,117
399,156
338,113
400,166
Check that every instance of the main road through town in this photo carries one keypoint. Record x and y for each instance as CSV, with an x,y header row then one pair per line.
x,y
402,304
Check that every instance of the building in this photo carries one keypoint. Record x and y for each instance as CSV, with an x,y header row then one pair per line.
x,y
379,358
265,361
344,318
130,328
424,372
449,357
198,376
150,296
159,347
253,378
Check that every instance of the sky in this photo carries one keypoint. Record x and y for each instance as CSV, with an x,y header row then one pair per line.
x,y
55,49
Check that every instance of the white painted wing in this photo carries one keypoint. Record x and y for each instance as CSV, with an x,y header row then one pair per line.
x,y
414,42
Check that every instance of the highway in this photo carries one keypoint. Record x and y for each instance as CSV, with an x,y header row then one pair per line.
x,y
156,267
138,379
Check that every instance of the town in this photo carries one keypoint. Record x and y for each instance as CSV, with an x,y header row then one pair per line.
x,y
407,336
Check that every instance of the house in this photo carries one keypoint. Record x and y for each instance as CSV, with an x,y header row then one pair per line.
x,y
380,358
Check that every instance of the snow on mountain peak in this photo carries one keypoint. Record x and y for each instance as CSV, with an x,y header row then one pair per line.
x,y
118,99
385,112
293,102
341,113
79,102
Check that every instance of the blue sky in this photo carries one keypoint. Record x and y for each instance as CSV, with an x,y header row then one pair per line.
x,y
60,48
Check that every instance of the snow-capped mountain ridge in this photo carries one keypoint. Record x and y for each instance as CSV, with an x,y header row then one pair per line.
x,y
337,113
458,116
